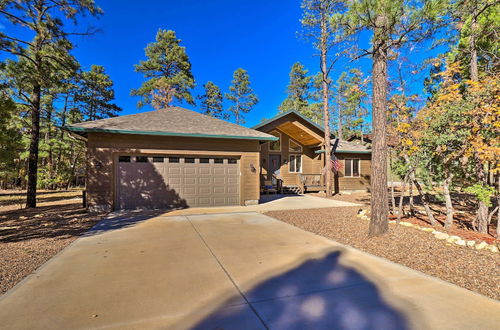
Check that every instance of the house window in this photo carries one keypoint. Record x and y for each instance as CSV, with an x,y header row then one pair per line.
x,y
294,146
351,167
295,164
157,159
204,160
173,159
124,159
189,160
141,159
232,161
275,145
219,161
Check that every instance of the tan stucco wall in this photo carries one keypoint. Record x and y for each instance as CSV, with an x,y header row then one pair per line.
x,y
103,150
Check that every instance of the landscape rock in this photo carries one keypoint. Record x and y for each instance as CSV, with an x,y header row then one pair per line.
x,y
460,242
494,248
481,245
406,224
455,238
471,243
426,229
440,235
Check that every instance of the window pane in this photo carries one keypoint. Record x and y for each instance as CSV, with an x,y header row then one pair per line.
x,y
173,160
292,164
232,161
218,160
355,167
124,159
294,146
298,166
141,159
157,159
204,160
275,145
189,160
348,167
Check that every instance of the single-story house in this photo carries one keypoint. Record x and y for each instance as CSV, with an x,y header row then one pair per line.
x,y
176,158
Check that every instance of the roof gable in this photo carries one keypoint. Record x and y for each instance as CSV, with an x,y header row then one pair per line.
x,y
295,125
173,121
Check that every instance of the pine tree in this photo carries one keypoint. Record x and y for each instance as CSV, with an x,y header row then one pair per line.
x,y
96,93
39,59
392,24
167,70
241,95
319,26
211,101
297,90
351,95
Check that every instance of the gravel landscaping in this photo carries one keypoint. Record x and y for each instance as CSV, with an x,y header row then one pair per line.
x,y
476,270
30,237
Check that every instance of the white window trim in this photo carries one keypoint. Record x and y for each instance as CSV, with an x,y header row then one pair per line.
x,y
280,140
359,168
290,148
290,160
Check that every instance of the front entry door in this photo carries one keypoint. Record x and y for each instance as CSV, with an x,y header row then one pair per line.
x,y
274,167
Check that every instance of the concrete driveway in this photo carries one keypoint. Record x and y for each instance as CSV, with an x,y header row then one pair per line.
x,y
231,271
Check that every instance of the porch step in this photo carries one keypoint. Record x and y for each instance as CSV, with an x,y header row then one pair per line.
x,y
295,190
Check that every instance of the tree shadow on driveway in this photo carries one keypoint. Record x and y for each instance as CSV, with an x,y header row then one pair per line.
x,y
318,294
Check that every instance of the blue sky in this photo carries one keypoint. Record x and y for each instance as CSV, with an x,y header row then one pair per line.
x,y
220,36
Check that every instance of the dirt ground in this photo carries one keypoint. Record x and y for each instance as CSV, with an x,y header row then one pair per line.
x,y
30,237
471,269
464,208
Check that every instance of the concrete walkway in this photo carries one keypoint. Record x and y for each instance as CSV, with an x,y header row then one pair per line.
x,y
270,203
231,271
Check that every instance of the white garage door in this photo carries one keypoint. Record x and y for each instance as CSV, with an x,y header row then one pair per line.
x,y
177,181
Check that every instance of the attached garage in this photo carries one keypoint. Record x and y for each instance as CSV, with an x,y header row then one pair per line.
x,y
170,158
172,181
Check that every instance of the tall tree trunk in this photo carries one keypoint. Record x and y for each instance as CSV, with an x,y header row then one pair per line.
x,y
393,199
425,202
339,122
474,71
33,151
402,196
448,224
326,111
379,200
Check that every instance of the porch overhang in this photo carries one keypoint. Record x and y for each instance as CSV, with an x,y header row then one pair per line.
x,y
301,133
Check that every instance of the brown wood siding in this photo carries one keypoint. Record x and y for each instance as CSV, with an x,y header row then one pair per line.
x,y
355,183
311,162
103,150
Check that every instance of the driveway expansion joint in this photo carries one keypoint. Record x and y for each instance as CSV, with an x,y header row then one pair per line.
x,y
228,275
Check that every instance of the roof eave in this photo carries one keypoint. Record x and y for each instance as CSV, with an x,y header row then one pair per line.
x,y
346,151
283,114
159,133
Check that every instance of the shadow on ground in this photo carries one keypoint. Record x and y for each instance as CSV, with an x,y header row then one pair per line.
x,y
125,219
318,294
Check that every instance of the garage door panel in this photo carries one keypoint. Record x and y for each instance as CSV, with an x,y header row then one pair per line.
x,y
205,180
219,180
170,185
205,190
205,170
190,180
